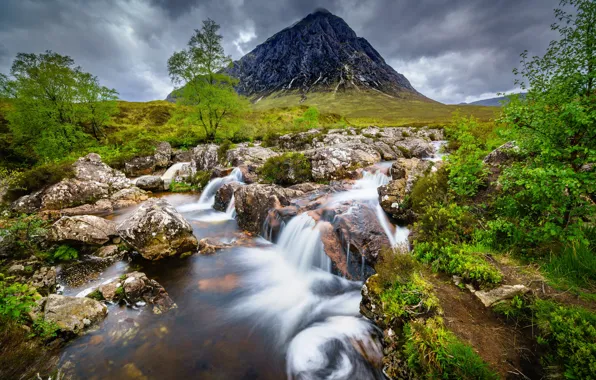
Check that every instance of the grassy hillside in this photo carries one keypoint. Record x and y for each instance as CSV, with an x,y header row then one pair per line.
x,y
363,108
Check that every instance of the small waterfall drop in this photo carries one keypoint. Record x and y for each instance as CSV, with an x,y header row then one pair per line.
x,y
207,198
231,210
300,241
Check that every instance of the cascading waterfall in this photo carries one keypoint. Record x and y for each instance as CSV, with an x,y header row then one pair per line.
x,y
301,244
231,210
207,198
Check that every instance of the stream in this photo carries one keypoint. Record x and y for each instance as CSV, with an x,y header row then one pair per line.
x,y
258,310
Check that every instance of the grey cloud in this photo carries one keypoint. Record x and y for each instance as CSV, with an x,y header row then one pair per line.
x,y
451,50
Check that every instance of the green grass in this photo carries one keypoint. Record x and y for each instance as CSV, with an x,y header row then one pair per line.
x,y
364,108
573,267
434,352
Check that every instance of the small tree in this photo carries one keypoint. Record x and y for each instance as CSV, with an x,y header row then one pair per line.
x,y
551,193
198,73
54,101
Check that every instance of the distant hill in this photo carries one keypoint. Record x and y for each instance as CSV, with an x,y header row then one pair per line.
x,y
493,102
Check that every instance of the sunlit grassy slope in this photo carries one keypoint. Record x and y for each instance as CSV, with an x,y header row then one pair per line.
x,y
362,108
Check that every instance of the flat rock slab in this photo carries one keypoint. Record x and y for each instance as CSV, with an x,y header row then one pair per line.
x,y
489,298
73,314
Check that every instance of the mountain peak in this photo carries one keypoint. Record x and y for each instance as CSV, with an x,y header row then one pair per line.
x,y
319,53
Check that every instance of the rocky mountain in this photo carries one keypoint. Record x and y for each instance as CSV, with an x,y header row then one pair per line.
x,y
320,53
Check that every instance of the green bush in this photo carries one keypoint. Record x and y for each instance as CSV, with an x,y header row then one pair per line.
x,y
22,233
39,177
65,253
409,298
287,169
200,179
16,300
181,187
46,330
434,352
429,190
569,334
446,223
464,261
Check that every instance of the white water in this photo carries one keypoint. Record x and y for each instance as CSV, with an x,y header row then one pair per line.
x,y
207,198
301,245
438,151
231,210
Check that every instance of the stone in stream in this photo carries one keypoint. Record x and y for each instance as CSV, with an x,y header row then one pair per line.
x,y
150,182
73,314
224,195
204,157
254,156
128,197
156,230
137,288
336,161
82,230
254,201
147,165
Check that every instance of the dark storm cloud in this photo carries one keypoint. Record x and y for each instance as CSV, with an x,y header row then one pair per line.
x,y
451,50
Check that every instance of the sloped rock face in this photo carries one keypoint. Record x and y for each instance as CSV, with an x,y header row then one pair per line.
x,y
128,197
204,157
156,230
73,314
148,164
254,156
319,53
254,201
334,162
150,182
84,229
224,195
501,154
73,192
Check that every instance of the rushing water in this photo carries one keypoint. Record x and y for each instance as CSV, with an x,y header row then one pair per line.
x,y
256,311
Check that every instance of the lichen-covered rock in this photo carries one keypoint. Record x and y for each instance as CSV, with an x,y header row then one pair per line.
x,y
391,197
82,229
44,280
91,169
204,157
254,156
156,230
181,156
254,201
137,288
73,192
128,197
102,206
148,164
163,154
409,169
501,154
415,147
224,195
27,204
73,314
334,161
150,182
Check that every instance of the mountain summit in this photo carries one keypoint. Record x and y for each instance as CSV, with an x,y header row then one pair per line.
x,y
320,53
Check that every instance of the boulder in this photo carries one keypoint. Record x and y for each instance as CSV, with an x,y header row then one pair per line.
x,y
204,157
333,162
156,230
392,195
148,164
137,288
27,204
505,292
91,169
150,182
102,206
83,230
128,197
415,147
409,169
108,251
73,192
181,156
163,154
254,201
501,154
254,156
73,314
224,195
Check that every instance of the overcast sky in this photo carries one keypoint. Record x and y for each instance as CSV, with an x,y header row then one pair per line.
x,y
450,50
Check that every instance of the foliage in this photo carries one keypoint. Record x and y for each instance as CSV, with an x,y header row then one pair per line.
x,y
39,177
16,300
200,179
445,223
409,298
204,88
223,150
22,233
465,261
45,330
569,333
429,190
181,187
574,265
55,104
466,170
96,295
287,169
546,198
513,309
65,253
434,352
